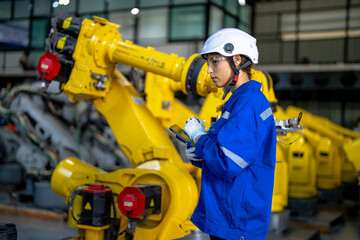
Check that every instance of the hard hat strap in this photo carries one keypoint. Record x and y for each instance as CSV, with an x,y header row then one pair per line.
x,y
236,75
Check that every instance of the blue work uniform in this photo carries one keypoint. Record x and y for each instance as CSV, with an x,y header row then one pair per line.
x,y
238,166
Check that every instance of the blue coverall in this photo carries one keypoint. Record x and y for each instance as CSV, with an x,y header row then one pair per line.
x,y
238,166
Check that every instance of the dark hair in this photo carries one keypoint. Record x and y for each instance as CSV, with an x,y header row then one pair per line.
x,y
247,69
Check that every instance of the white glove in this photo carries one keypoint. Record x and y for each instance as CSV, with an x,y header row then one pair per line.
x,y
194,128
190,154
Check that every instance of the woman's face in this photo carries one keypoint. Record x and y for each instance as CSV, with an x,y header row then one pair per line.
x,y
219,69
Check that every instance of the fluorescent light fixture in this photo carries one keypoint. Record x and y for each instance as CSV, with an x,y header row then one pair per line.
x,y
64,2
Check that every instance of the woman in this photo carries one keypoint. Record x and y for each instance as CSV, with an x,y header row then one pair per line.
x,y
237,154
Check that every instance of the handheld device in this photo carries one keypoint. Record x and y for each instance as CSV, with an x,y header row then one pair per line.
x,y
179,133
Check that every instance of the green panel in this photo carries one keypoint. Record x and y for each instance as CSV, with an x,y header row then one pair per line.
x,y
40,30
187,23
230,22
22,8
179,2
42,7
121,4
232,6
244,17
218,2
154,3
86,6
216,19
5,9
244,27
245,13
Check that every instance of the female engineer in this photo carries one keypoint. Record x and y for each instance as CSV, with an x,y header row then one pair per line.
x,y
237,154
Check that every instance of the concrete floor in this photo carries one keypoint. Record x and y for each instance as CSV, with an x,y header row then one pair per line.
x,y
38,229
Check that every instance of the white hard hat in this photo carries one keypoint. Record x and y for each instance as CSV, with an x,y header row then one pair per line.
x,y
231,41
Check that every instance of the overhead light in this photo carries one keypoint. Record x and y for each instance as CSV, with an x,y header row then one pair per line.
x,y
135,11
55,4
64,2
242,2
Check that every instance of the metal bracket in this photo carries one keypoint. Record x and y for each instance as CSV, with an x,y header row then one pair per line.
x,y
101,79
291,125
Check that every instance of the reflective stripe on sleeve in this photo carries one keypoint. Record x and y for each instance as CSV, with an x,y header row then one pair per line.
x,y
267,113
226,115
235,158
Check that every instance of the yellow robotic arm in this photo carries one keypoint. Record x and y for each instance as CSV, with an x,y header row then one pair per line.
x,y
347,140
82,57
94,51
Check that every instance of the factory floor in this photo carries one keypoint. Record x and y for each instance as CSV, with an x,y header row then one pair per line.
x,y
32,228
341,222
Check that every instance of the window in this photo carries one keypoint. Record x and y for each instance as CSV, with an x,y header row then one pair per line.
x,y
244,15
22,8
180,2
230,21
87,6
121,4
153,26
5,10
127,22
187,23
219,3
154,3
216,19
40,31
42,7
232,6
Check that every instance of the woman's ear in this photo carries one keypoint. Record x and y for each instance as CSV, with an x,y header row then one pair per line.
x,y
237,60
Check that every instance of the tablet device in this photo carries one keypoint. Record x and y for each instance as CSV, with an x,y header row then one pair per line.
x,y
179,133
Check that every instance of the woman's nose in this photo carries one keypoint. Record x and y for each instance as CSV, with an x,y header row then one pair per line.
x,y
209,70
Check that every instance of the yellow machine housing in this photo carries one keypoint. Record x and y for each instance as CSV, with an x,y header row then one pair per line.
x,y
329,160
141,136
302,181
172,222
347,141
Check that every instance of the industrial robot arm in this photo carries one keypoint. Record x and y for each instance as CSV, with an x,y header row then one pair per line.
x,y
90,49
347,140
158,196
